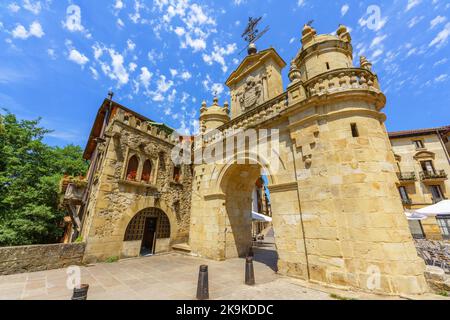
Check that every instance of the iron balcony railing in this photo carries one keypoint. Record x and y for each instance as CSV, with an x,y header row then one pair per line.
x,y
406,176
428,175
406,201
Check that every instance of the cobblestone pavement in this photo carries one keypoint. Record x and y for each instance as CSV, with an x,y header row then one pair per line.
x,y
171,276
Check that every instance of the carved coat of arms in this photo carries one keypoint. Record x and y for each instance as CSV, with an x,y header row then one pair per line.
x,y
252,94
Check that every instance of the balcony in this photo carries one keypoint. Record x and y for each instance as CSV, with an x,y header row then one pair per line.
x,y
406,177
429,176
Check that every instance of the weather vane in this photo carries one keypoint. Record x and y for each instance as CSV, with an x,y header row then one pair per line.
x,y
251,33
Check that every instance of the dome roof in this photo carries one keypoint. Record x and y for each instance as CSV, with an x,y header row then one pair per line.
x,y
214,110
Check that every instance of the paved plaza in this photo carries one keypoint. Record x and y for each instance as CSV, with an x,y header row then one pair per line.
x,y
170,277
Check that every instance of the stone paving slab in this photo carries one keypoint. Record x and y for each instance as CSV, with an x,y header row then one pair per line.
x,y
171,276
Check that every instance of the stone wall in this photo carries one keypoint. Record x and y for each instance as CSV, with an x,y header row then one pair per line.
x,y
40,257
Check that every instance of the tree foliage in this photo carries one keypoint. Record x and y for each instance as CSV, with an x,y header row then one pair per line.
x,y
30,172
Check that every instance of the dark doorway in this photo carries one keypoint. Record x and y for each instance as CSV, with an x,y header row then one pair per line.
x,y
148,240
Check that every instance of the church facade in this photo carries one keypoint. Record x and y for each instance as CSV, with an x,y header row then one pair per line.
x,y
337,214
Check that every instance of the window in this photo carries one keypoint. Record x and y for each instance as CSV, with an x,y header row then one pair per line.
x,y
427,166
415,226
436,192
444,225
404,194
354,128
132,169
328,66
147,171
177,174
419,144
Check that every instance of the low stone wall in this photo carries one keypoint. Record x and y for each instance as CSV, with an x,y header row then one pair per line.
x,y
40,257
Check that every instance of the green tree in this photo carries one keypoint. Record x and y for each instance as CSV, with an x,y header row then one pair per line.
x,y
30,172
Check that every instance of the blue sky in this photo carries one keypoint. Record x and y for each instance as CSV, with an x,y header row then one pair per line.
x,y
59,58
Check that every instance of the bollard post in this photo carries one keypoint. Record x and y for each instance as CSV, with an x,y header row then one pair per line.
x,y
80,293
203,287
249,272
250,252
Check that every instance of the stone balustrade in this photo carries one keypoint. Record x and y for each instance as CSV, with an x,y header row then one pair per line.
x,y
342,80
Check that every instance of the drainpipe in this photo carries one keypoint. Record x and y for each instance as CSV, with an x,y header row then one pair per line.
x,y
301,216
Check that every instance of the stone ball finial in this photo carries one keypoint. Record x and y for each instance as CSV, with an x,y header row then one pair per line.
x,y
252,49
216,101
341,30
294,72
307,29
204,107
364,63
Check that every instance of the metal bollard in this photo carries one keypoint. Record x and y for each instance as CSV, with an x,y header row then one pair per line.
x,y
250,252
80,293
249,272
203,287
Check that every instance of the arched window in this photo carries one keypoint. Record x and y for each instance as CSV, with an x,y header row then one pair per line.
x,y
132,169
147,171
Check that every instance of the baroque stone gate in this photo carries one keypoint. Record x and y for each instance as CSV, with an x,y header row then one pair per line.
x,y
336,210
337,215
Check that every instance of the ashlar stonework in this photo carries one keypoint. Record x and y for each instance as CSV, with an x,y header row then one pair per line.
x,y
337,215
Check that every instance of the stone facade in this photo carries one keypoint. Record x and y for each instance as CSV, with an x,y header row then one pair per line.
x,y
418,187
116,194
40,257
337,213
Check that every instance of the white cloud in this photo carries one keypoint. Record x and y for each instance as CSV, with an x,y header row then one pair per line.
x,y
179,31
218,55
52,54
119,71
436,21
415,21
301,3
217,89
442,37
145,77
35,30
412,3
132,66
78,57
94,73
441,78
291,40
377,41
186,75
238,2
440,62
344,9
173,72
14,7
119,5
131,45
34,7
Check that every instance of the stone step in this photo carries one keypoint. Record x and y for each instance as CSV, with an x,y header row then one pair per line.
x,y
182,248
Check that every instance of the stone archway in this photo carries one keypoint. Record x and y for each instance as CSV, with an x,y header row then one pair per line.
x,y
134,221
147,233
237,184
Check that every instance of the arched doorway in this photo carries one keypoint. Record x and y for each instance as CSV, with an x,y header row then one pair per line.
x,y
147,233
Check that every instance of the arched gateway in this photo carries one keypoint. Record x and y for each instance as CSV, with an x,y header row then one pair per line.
x,y
337,214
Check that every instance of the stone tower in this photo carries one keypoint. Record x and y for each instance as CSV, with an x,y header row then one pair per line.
x,y
337,214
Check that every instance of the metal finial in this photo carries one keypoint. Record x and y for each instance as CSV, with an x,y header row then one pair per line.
x,y
110,95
